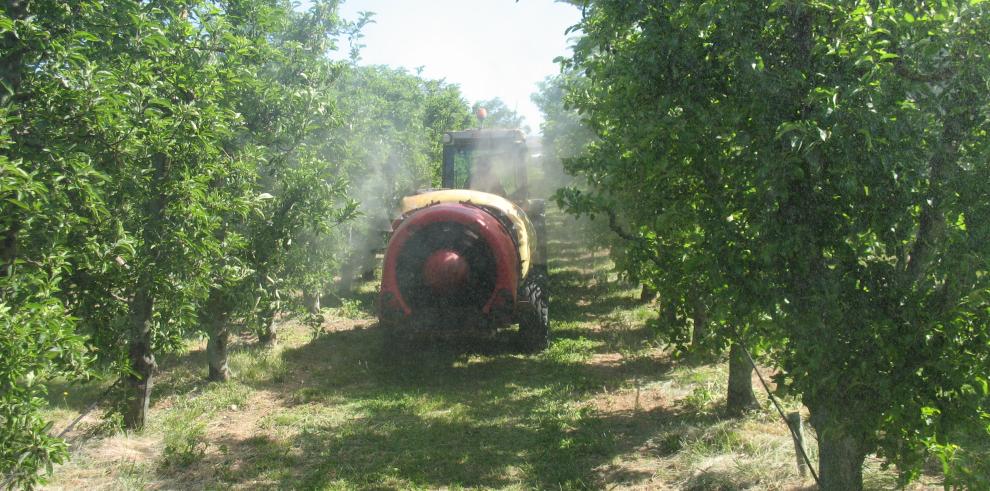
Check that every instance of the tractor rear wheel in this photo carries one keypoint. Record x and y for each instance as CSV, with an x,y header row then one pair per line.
x,y
534,318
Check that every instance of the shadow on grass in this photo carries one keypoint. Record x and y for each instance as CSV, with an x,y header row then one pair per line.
x,y
481,415
578,298
434,418
440,417
75,396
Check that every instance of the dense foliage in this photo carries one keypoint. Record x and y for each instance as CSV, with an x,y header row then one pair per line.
x,y
393,143
499,115
812,174
565,135
169,168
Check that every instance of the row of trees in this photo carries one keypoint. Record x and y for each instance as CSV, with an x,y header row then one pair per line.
x,y
171,169
808,178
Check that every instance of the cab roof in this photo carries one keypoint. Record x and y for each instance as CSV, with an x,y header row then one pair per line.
x,y
481,136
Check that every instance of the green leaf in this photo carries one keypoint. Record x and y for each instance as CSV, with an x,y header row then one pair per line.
x,y
86,36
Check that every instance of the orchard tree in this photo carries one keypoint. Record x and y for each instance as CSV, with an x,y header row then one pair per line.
x,y
813,175
40,342
285,93
564,134
134,160
163,105
49,200
280,79
686,321
155,122
40,205
392,144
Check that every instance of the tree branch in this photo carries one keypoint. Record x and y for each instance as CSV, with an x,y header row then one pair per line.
x,y
613,224
904,71
8,249
931,223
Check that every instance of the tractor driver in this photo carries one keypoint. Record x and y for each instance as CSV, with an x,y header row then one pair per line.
x,y
483,178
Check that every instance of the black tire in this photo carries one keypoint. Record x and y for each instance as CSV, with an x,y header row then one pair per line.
x,y
534,312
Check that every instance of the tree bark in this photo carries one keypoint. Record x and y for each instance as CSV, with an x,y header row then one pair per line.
x,y
8,249
741,397
311,299
840,451
219,332
647,294
142,360
840,459
699,319
931,223
216,351
268,336
140,353
13,50
668,312
347,275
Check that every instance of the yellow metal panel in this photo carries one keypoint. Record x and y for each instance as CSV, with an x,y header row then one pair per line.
x,y
523,228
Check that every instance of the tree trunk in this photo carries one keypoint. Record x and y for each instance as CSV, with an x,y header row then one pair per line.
x,y
12,52
840,452
647,294
311,299
699,320
931,222
216,352
346,283
741,397
268,337
140,353
668,312
13,49
840,462
219,331
8,249
142,360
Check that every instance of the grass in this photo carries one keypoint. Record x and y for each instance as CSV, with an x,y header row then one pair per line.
x,y
603,407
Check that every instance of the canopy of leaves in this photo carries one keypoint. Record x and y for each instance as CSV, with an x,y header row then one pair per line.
x,y
499,115
157,154
815,172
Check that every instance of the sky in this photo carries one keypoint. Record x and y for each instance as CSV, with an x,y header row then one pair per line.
x,y
490,48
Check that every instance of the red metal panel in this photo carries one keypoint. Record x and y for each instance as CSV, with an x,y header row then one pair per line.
x,y
487,226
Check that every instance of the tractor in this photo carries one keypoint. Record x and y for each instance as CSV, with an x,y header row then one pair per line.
x,y
470,257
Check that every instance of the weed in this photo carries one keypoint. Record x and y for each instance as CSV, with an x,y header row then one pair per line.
x,y
228,395
111,423
315,323
668,443
700,399
570,350
257,366
351,308
183,439
307,394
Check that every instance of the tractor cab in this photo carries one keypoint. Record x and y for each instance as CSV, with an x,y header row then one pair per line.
x,y
487,160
